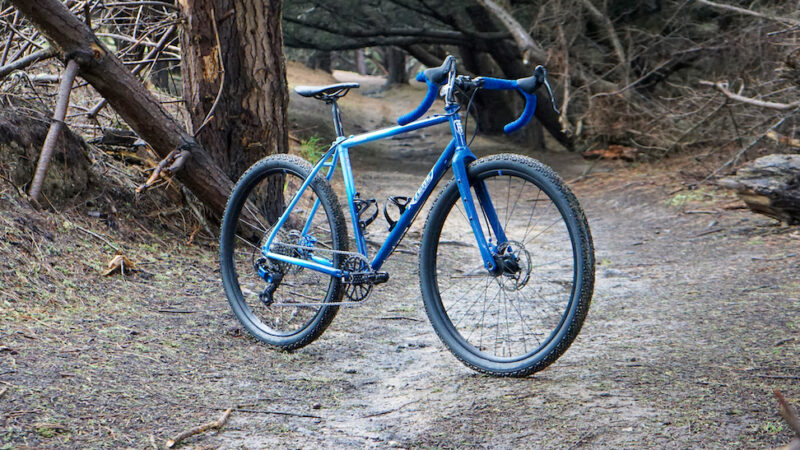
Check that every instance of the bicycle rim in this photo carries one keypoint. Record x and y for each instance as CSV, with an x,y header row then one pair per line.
x,y
520,315
285,318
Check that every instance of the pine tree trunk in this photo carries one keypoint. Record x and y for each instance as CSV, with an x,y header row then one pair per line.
x,y
250,117
320,59
361,62
396,65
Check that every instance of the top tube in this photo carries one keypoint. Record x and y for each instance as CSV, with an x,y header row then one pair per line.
x,y
384,133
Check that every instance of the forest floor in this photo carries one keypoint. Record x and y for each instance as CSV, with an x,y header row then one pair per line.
x,y
694,322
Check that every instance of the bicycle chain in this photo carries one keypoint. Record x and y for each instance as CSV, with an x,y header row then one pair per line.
x,y
318,249
349,254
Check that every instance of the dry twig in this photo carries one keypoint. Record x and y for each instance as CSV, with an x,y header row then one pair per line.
x,y
785,140
214,425
788,413
723,87
25,62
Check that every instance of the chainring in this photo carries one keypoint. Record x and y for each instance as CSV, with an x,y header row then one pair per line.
x,y
357,292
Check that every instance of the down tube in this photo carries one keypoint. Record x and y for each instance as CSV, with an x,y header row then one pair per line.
x,y
419,199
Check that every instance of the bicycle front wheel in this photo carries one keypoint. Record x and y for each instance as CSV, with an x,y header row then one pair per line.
x,y
520,320
289,311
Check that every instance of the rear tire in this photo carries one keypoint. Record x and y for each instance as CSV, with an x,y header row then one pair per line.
x,y
257,201
522,320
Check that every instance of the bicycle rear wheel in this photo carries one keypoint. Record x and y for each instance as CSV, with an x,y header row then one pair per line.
x,y
284,318
521,320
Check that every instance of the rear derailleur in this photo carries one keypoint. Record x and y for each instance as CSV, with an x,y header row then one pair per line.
x,y
273,276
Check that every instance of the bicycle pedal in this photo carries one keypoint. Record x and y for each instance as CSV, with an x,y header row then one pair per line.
x,y
398,201
365,277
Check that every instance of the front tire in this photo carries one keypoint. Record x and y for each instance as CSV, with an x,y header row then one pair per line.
x,y
520,321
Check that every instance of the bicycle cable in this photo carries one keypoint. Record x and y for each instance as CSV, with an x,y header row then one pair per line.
x,y
466,119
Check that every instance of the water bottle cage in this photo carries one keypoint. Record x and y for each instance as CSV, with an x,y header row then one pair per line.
x,y
400,202
361,207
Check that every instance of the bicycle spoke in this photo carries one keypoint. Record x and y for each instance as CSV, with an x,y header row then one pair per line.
x,y
296,285
535,203
514,208
513,315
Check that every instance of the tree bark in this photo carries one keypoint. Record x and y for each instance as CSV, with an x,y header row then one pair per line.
x,y
250,116
68,77
361,62
131,100
396,66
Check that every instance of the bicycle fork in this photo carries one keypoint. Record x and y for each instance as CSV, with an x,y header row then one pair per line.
x,y
487,248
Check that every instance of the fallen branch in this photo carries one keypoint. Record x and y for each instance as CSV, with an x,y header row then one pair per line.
x,y
215,425
55,128
92,233
723,87
733,161
27,61
388,411
785,140
278,413
780,377
174,161
788,413
527,46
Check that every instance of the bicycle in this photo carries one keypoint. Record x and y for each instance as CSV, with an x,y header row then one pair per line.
x,y
505,293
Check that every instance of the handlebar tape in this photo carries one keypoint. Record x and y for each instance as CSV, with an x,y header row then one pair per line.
x,y
527,114
430,97
507,85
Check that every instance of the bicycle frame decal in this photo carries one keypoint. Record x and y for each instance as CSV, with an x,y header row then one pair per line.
x,y
456,155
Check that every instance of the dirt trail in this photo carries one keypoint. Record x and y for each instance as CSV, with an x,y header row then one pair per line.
x,y
679,349
693,323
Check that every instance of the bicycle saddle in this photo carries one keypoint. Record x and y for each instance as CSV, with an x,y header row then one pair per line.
x,y
321,92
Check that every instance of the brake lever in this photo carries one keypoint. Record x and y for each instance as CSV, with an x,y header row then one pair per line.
x,y
550,92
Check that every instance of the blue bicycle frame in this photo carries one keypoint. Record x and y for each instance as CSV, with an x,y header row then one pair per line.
x,y
456,155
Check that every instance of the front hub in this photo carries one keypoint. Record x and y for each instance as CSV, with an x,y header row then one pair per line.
x,y
512,266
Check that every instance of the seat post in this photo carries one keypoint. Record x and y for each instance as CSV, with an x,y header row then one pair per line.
x,y
337,116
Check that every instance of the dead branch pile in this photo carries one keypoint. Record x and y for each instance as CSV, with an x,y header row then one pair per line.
x,y
658,76
141,33
667,76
